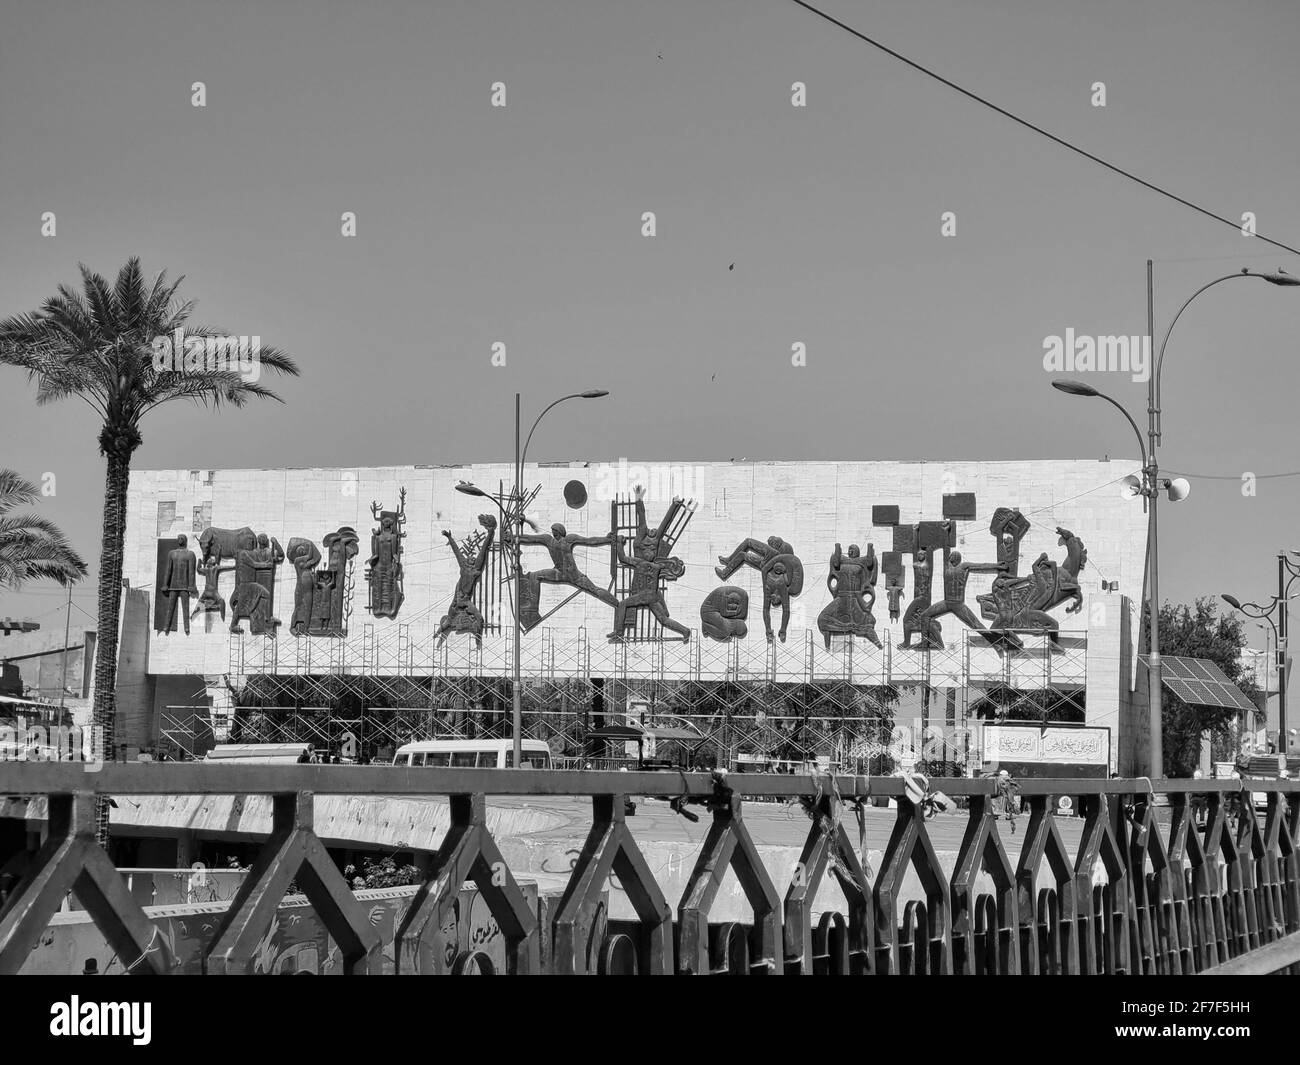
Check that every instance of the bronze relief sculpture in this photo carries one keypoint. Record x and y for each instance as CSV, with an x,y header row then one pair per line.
x,y
724,613
471,559
179,583
322,601
254,595
851,580
384,566
780,570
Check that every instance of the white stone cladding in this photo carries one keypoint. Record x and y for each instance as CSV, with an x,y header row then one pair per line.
x,y
812,505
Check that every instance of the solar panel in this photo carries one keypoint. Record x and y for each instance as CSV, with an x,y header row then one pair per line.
x,y
1200,682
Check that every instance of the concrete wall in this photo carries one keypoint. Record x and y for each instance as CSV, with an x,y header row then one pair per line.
x,y
135,687
41,676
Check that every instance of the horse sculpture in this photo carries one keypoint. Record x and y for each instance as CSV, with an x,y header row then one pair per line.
x,y
1022,603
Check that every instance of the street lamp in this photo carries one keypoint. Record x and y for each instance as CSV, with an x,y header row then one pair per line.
x,y
1287,574
513,518
1149,488
1177,488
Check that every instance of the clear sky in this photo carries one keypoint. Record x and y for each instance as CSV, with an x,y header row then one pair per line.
x,y
523,225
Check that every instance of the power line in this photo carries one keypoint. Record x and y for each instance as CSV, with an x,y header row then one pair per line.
x,y
1232,476
1038,129
1237,256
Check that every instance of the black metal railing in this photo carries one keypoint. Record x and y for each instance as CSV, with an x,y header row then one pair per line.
x,y
1192,878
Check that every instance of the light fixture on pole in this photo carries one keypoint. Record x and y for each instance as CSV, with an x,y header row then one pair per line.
x,y
1287,574
1177,488
1147,486
514,519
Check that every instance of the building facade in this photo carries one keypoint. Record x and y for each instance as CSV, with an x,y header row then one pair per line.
x,y
755,592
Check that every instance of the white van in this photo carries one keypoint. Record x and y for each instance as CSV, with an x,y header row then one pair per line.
x,y
472,754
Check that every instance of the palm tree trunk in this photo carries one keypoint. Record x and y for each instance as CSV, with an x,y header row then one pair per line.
x,y
110,608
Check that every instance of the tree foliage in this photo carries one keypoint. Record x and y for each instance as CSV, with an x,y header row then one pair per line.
x,y
96,345
31,548
1199,631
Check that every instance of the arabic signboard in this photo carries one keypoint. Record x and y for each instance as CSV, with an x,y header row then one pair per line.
x,y
1050,751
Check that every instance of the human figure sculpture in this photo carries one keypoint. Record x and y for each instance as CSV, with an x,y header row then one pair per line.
x,y
179,583
892,564
780,571
463,615
955,575
322,597
253,597
215,547
384,570
778,580
564,570
652,543
1021,604
644,590
915,623
304,556
211,601
724,612
1008,527
334,587
650,563
850,580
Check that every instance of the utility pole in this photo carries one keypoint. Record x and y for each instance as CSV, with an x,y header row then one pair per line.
x,y
63,674
1154,680
1283,591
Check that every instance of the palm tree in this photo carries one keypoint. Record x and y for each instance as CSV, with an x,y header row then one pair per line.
x,y
97,345
31,548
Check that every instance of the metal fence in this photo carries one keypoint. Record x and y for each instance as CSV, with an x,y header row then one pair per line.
x,y
1191,878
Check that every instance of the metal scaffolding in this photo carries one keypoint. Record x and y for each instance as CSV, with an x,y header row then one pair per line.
x,y
749,701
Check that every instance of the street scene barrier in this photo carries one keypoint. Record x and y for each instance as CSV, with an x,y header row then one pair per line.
x,y
1168,877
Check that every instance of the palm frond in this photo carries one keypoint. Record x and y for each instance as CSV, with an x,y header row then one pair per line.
x,y
96,344
30,546
129,295
15,491
99,299
20,526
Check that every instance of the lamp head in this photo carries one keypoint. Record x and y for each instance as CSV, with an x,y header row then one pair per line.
x,y
594,393
1075,388
1232,601
469,489
1277,277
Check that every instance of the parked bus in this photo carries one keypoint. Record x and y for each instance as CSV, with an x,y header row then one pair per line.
x,y
472,754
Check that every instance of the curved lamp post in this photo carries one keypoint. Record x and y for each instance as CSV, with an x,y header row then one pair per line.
x,y
1149,489
513,518
1287,574
1152,483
